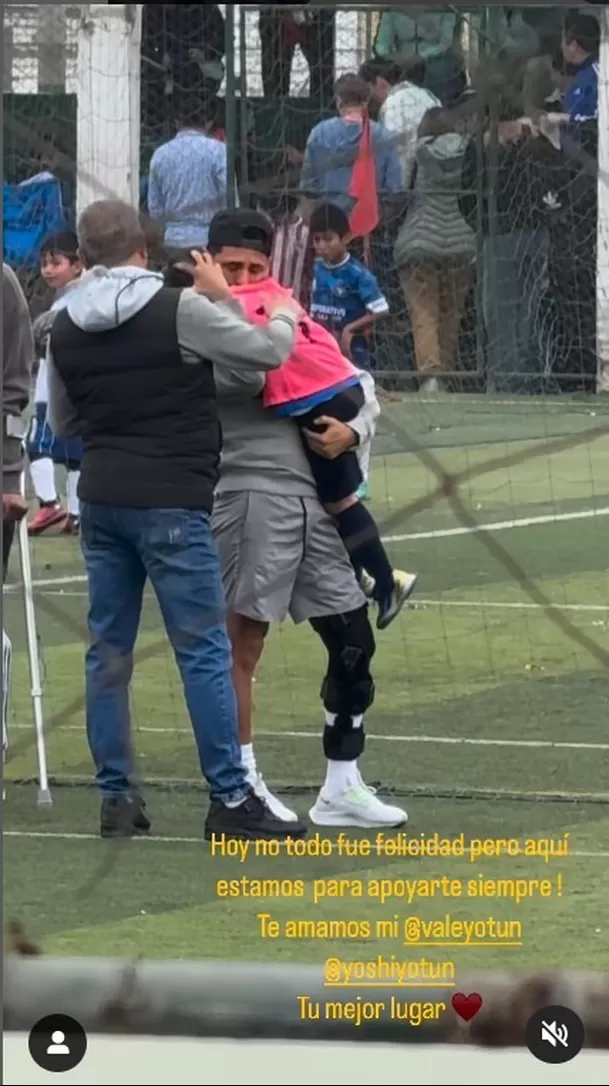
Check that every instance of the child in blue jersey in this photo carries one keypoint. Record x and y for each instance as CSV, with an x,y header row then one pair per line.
x,y
345,296
347,300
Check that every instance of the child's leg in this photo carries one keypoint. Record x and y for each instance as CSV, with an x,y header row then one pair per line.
x,y
389,587
38,446
72,465
359,532
72,493
43,479
40,449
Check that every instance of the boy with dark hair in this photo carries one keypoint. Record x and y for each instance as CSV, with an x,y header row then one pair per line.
x,y
580,49
345,296
60,267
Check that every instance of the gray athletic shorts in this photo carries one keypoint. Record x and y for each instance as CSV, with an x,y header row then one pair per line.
x,y
282,556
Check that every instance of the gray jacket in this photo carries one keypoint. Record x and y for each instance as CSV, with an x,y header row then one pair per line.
x,y
17,361
434,227
260,450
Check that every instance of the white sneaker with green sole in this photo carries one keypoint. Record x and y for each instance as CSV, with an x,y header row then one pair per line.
x,y
357,806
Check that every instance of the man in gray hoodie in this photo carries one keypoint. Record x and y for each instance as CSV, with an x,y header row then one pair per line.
x,y
131,369
17,360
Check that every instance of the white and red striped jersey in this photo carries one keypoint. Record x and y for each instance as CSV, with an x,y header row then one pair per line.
x,y
291,258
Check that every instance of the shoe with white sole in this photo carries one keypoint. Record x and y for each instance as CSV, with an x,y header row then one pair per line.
x,y
404,585
357,806
275,806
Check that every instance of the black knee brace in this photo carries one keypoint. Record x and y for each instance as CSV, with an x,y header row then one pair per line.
x,y
348,687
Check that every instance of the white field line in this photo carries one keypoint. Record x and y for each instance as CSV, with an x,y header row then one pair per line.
x,y
502,525
447,740
417,604
515,605
42,834
440,533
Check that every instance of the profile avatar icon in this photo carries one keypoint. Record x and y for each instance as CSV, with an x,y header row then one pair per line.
x,y
57,1043
58,1046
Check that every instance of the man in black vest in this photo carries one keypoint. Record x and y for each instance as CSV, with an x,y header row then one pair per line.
x,y
131,370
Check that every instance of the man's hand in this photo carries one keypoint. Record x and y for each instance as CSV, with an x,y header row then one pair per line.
x,y
335,439
282,304
14,507
208,277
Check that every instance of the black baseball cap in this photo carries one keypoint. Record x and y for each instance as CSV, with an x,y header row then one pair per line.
x,y
241,229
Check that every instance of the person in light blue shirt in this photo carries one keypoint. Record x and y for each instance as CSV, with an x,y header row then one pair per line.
x,y
333,145
187,181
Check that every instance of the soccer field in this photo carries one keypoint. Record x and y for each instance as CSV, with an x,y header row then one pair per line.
x,y
490,717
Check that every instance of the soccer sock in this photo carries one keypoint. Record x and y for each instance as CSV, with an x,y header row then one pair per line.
x,y
341,775
248,758
360,535
72,485
43,479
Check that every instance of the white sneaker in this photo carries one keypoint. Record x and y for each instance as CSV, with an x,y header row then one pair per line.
x,y
404,585
356,806
278,809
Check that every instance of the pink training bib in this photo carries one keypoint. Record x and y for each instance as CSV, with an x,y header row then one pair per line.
x,y
316,363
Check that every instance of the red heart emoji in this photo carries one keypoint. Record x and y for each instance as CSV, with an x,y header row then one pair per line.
x,y
466,1006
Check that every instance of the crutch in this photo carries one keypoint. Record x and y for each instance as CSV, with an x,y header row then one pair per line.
x,y
44,793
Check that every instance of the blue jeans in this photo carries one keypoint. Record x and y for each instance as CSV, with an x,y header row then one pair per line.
x,y
175,549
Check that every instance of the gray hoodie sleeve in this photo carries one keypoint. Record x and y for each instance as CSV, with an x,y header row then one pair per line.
x,y
61,413
17,358
220,332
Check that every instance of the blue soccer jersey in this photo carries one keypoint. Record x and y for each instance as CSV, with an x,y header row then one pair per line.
x,y
343,293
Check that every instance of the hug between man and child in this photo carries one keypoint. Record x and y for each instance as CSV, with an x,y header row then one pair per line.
x,y
317,380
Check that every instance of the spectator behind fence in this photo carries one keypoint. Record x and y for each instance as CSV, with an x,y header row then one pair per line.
x,y
131,368
188,178
292,254
435,249
580,49
333,145
431,32
182,50
397,87
570,184
281,31
514,246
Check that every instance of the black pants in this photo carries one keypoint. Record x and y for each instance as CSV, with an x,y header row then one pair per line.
x,y
339,478
318,49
